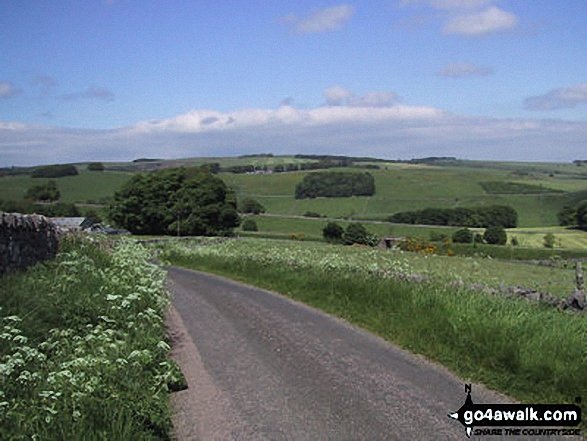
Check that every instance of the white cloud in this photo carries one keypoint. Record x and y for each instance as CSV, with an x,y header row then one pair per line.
x,y
338,96
459,70
562,98
320,20
8,90
485,22
397,131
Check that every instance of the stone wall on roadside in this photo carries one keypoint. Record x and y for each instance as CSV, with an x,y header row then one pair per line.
x,y
26,240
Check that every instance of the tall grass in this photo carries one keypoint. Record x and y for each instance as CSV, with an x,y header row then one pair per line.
x,y
83,348
535,353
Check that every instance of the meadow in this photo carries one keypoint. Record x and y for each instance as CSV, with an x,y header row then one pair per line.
x,y
532,352
83,347
399,187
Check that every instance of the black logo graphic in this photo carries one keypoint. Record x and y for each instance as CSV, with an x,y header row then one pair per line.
x,y
471,415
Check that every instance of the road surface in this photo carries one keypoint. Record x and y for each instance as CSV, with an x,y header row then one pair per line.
x,y
262,367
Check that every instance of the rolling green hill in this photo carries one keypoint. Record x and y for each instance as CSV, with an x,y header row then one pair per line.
x,y
537,191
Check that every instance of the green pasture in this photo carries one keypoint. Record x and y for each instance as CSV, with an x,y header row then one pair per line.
x,y
403,187
399,187
81,188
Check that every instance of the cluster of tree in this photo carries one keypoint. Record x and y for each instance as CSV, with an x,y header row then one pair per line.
x,y
580,162
279,168
504,187
340,158
483,217
45,193
14,171
188,201
355,233
495,235
49,210
96,166
54,171
251,206
574,215
335,184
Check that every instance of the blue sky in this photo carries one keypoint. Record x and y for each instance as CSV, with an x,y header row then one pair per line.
x,y
121,79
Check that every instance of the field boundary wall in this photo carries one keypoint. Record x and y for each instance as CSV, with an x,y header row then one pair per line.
x,y
26,240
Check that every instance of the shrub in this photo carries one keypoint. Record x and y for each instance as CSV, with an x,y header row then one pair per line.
x,y
251,206
333,232
495,236
464,235
45,193
549,240
355,233
96,166
514,241
250,225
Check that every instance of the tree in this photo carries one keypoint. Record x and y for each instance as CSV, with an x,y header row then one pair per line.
x,y
251,206
45,193
332,232
464,235
96,166
495,235
356,233
190,201
581,215
250,225
549,239
54,171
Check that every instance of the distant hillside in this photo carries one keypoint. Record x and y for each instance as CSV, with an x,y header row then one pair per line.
x,y
537,191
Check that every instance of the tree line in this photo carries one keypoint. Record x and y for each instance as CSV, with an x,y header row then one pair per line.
x,y
335,184
478,217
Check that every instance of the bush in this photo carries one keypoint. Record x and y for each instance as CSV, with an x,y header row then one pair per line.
x,y
495,236
250,225
356,233
96,166
251,206
45,193
463,235
333,232
549,239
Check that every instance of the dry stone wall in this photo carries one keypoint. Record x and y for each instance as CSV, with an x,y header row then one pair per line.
x,y
26,240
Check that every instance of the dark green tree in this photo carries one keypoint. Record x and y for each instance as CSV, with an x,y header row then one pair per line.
x,y
96,166
356,233
495,236
154,203
45,193
581,215
251,206
250,225
463,235
332,232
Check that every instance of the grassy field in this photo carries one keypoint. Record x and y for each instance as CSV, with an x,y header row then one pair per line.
x,y
531,352
403,187
84,187
399,187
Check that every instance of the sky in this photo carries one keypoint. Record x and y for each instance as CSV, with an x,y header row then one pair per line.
x,y
116,80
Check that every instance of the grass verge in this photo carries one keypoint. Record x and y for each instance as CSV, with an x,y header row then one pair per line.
x,y
83,351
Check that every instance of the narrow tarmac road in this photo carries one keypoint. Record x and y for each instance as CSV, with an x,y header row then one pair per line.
x,y
262,367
